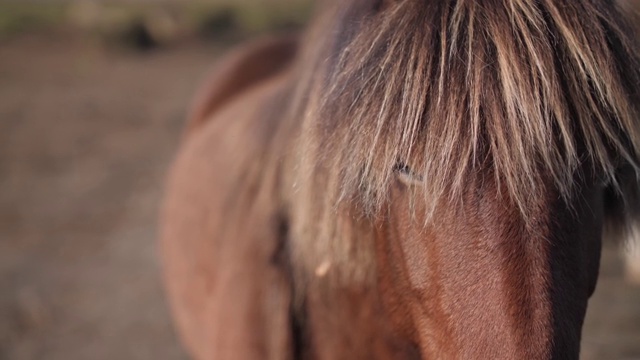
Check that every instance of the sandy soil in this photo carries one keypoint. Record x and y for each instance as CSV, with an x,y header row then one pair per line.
x,y
85,137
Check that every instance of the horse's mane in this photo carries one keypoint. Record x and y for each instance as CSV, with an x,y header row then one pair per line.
x,y
526,90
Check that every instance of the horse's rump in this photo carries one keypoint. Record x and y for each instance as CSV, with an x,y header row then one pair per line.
x,y
218,270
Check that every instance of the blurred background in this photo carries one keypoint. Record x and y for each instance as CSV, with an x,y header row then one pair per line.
x,y
93,96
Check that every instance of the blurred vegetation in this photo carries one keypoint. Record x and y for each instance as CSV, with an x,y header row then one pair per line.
x,y
153,23
18,17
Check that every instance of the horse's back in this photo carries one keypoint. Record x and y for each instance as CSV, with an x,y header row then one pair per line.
x,y
240,70
221,231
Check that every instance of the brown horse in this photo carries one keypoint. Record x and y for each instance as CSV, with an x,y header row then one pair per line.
x,y
420,179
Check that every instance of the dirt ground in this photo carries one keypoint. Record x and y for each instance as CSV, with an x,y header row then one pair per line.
x,y
85,138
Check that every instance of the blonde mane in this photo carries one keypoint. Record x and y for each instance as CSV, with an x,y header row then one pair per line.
x,y
529,89
530,92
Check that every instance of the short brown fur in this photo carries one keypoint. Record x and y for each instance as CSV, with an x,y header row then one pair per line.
x,y
423,179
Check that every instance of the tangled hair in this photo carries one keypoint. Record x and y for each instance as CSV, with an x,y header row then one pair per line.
x,y
526,90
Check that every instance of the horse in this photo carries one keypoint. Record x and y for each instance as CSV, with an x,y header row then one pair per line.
x,y
410,179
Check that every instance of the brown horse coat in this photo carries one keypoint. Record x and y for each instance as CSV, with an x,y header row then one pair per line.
x,y
294,224
235,277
